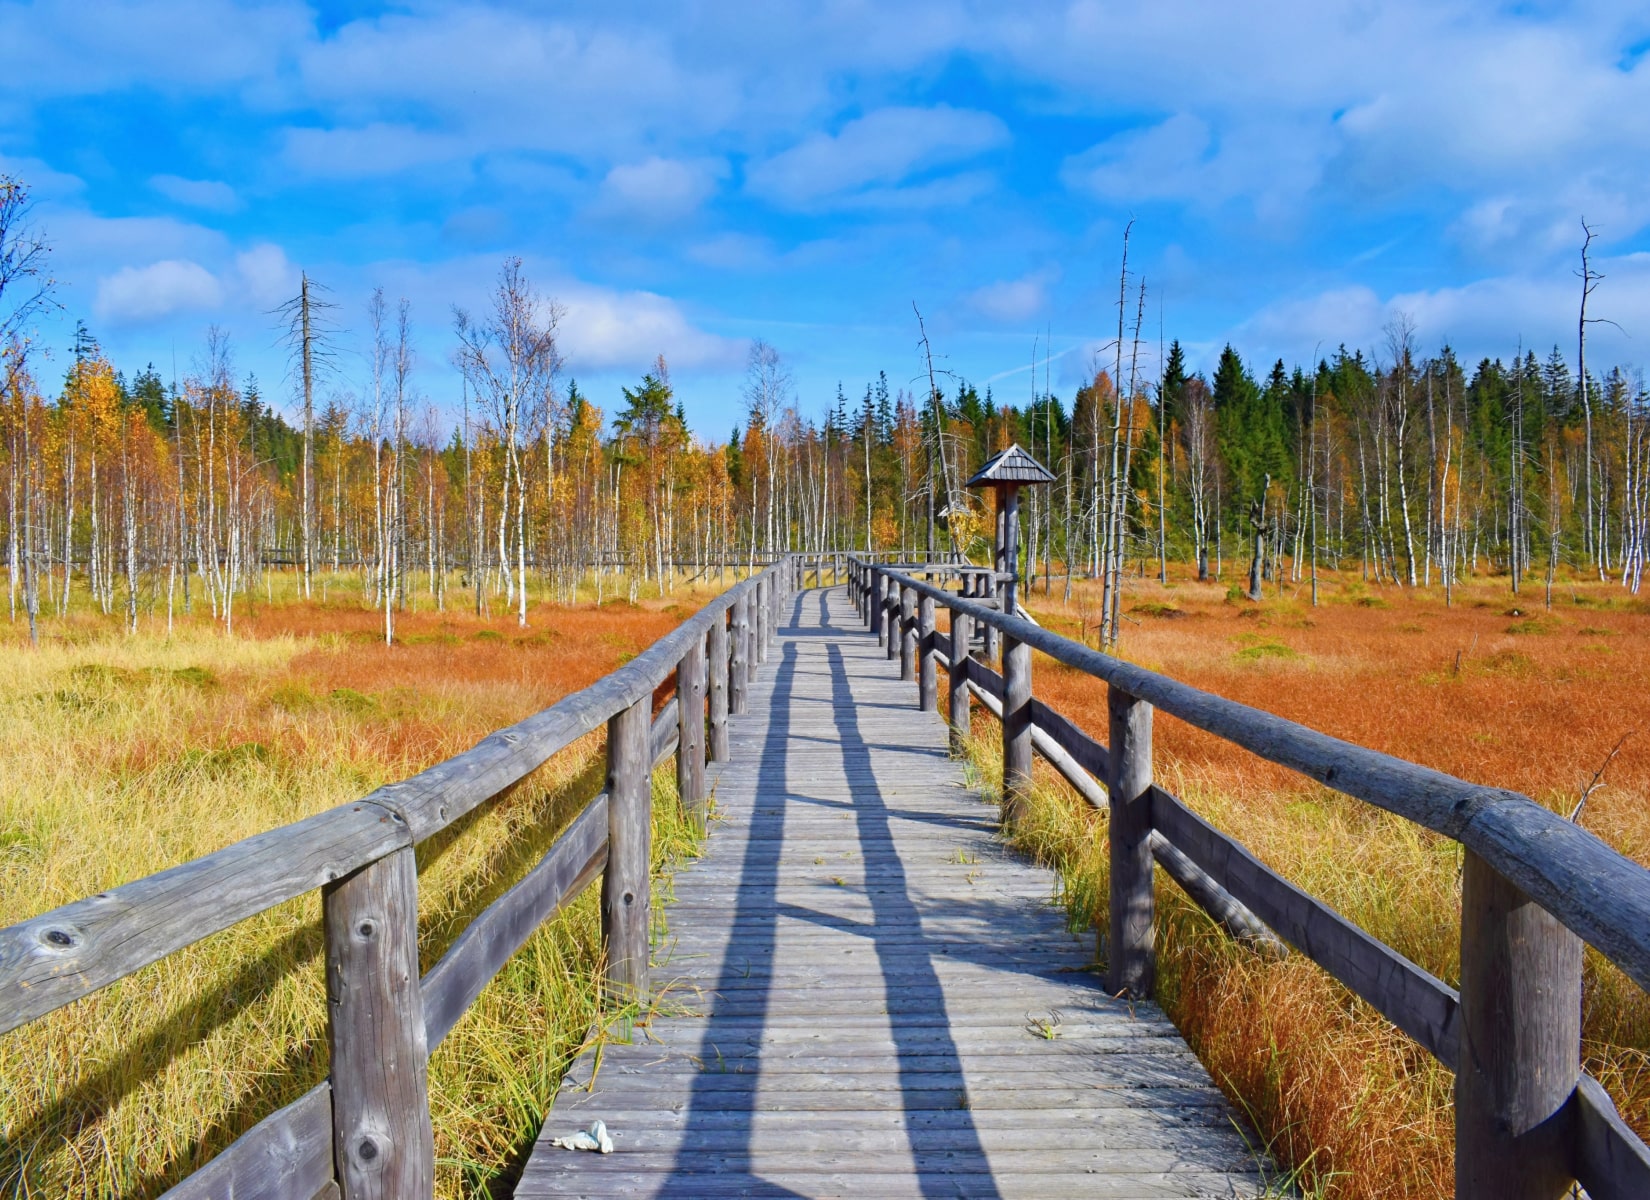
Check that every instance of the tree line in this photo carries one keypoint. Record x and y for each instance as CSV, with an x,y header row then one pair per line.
x,y
152,496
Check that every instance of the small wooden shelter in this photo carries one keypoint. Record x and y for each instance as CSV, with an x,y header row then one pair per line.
x,y
1005,473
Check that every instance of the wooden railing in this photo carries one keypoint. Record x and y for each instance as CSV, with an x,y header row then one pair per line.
x,y
365,1132
1528,1122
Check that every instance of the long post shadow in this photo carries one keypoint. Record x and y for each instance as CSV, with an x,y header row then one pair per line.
x,y
936,1151
755,930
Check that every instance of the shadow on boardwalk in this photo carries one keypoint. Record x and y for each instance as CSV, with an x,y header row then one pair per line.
x,y
865,994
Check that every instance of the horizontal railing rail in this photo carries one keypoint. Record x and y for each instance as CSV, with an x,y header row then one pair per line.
x,y
1535,885
365,1131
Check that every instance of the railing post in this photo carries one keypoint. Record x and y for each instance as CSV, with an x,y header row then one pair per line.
x,y
926,689
890,604
626,892
961,703
993,637
759,625
1016,730
1131,956
690,733
381,1136
907,634
739,674
1520,1051
776,610
876,606
717,658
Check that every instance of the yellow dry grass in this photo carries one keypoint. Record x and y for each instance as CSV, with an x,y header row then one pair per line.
x,y
121,756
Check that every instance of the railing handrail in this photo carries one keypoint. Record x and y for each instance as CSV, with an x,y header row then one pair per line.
x,y
1598,892
1534,886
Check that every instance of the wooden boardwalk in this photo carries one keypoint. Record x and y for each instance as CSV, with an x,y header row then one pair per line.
x,y
862,993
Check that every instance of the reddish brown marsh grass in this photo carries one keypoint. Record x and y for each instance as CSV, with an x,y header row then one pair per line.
x,y
1495,689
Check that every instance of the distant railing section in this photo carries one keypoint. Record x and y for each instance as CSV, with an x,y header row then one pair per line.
x,y
365,1132
1528,1122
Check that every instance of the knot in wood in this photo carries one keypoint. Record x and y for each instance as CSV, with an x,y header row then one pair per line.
x,y
59,939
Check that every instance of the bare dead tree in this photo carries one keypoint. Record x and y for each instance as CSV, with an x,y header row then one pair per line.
x,y
510,359
309,334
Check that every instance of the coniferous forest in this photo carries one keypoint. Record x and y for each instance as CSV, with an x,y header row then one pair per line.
x,y
1398,461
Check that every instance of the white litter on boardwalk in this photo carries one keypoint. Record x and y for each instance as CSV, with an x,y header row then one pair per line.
x,y
596,1139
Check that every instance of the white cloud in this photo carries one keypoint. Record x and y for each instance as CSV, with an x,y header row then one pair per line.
x,y
882,149
1170,160
606,329
376,149
44,182
210,194
137,294
1014,300
67,47
1486,317
265,276
733,252
658,189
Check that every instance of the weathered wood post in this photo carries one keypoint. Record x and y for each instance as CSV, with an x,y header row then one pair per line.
x,y
960,702
718,662
381,1137
739,673
890,605
926,666
993,636
759,624
776,613
1130,958
626,892
690,733
1016,730
1520,1050
908,634
878,604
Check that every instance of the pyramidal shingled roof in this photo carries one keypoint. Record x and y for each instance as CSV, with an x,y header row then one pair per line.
x,y
1013,465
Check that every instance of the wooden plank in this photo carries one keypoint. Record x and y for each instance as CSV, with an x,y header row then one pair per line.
x,y
1600,894
1607,1157
856,965
381,1136
1084,751
1221,905
285,1156
662,733
1414,1001
499,930
62,955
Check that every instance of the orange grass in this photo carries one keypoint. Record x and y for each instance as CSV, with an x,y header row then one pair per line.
x,y
1495,689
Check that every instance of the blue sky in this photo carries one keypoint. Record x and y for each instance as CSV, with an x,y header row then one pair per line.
x,y
684,178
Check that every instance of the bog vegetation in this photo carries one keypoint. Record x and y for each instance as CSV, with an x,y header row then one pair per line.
x,y
1434,558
